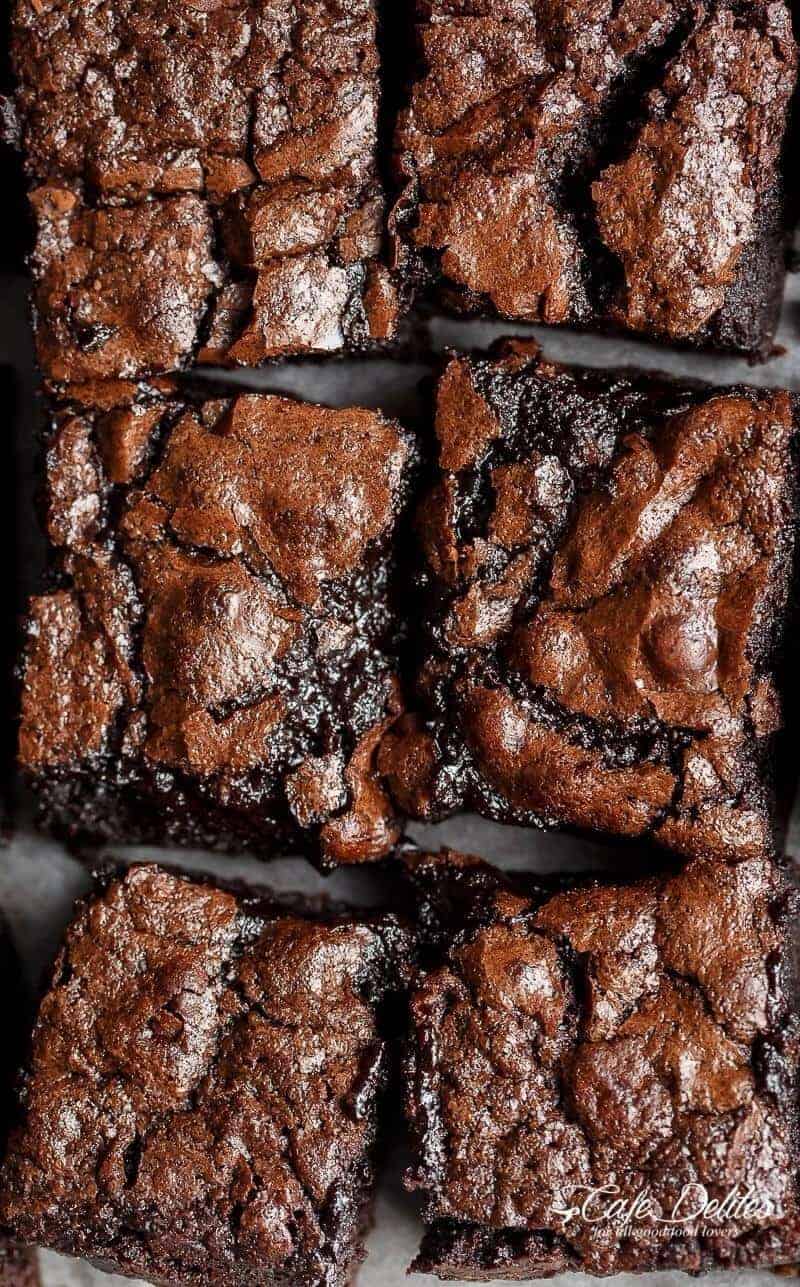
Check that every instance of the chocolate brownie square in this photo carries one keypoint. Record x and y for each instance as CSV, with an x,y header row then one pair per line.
x,y
257,120
602,165
217,661
602,1077
201,1101
607,559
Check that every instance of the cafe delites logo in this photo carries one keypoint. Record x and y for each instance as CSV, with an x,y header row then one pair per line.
x,y
693,1213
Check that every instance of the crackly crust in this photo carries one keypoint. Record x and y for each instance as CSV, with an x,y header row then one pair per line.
x,y
608,561
260,119
641,1036
709,150
217,664
190,1111
95,319
611,165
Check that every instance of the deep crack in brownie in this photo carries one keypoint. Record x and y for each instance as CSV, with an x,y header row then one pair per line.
x,y
207,181
602,164
216,663
202,1099
596,1044
607,560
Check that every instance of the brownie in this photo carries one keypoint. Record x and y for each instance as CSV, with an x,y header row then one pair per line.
x,y
15,242
592,1068
202,1097
601,165
216,662
607,559
229,152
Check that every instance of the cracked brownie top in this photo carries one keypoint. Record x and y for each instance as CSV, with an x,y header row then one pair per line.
x,y
606,1040
119,292
259,122
621,163
607,559
223,645
202,1094
138,97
